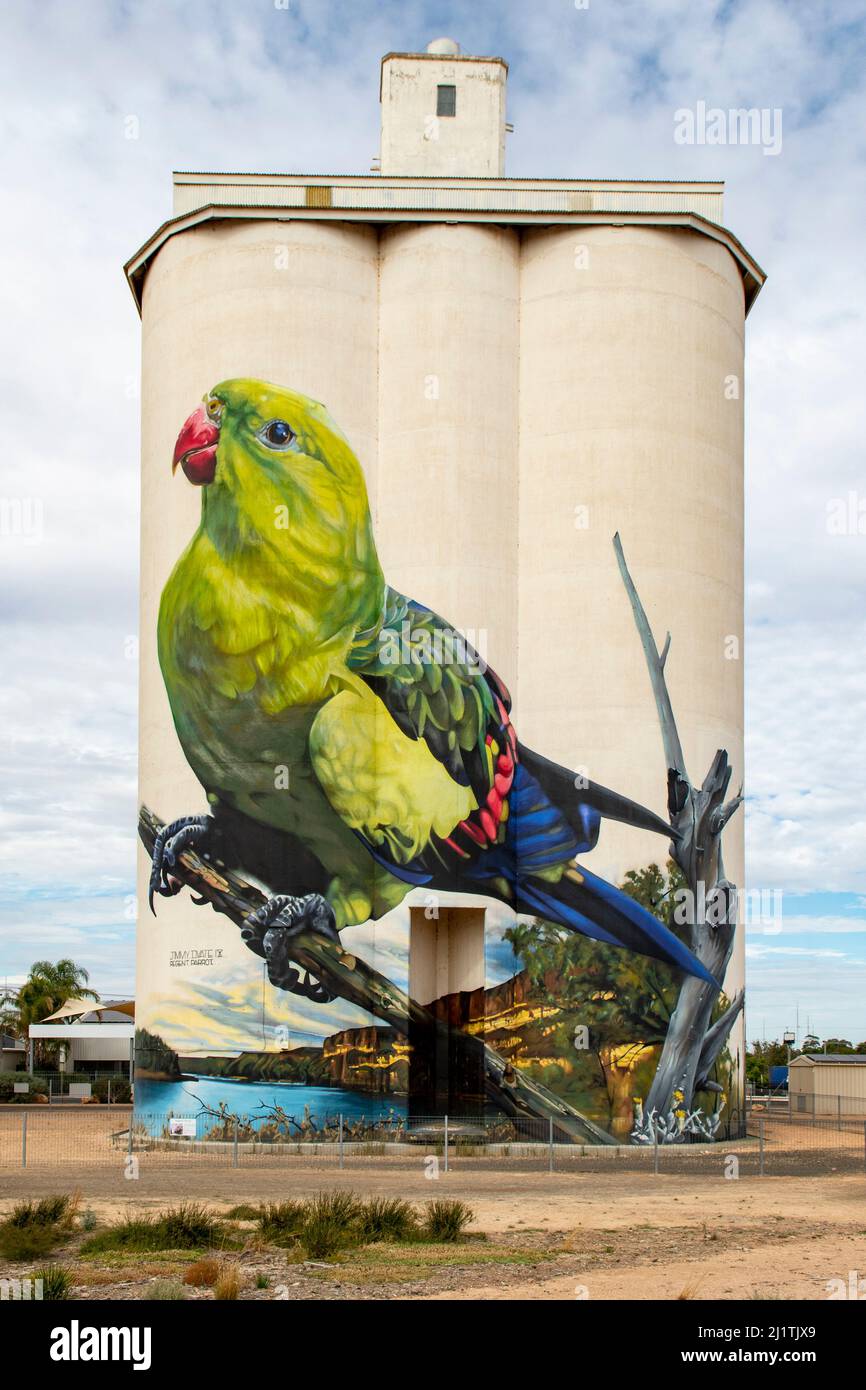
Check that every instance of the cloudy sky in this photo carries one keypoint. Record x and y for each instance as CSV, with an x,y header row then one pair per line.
x,y
592,92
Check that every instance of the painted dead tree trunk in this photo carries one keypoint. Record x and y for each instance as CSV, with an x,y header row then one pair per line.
x,y
698,816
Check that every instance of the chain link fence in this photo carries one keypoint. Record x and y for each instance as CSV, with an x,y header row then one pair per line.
x,y
53,1087
108,1087
823,1107
93,1136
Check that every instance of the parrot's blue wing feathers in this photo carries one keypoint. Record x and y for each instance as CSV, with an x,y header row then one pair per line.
x,y
538,837
597,909
538,831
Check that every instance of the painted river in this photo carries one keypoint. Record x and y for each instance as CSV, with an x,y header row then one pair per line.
x,y
156,1100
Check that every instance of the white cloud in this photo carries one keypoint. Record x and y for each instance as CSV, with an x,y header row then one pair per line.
x,y
797,925
756,952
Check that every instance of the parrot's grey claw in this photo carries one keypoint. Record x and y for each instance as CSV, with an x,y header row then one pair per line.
x,y
171,841
269,930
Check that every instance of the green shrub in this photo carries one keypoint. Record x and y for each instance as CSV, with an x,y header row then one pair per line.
x,y
28,1242
445,1220
56,1282
340,1207
280,1223
188,1226
322,1236
386,1218
38,1087
33,1229
88,1220
262,1281
23,1216
330,1224
332,1221
130,1233
49,1211
244,1212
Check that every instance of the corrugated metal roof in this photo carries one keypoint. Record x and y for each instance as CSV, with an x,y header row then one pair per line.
x,y
449,178
855,1057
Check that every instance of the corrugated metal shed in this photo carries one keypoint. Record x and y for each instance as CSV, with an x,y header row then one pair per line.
x,y
828,1083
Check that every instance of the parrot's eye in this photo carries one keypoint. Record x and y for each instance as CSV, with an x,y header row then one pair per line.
x,y
214,409
276,434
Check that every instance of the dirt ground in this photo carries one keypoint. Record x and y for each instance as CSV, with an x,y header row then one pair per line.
x,y
603,1236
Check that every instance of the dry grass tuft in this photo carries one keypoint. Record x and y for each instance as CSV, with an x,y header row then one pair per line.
x,y
203,1274
228,1285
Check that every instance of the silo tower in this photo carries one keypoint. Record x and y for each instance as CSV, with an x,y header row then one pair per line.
x,y
523,367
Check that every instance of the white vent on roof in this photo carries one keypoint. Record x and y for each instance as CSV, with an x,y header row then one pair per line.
x,y
444,47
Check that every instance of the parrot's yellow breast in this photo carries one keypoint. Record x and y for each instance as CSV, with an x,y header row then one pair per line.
x,y
388,787
242,639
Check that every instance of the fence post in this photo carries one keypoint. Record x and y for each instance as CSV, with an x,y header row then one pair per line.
x,y
761,1147
655,1144
340,1141
550,1144
446,1143
235,1146
24,1139
129,1133
108,1102
838,1112
864,1143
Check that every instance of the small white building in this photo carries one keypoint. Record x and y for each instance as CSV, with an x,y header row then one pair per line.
x,y
97,1037
828,1083
13,1053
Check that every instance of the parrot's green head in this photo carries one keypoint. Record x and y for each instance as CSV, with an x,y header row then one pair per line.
x,y
280,481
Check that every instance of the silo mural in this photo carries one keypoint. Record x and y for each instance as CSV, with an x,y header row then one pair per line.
x,y
432,810
353,746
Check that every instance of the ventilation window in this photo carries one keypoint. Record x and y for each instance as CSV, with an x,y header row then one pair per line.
x,y
446,101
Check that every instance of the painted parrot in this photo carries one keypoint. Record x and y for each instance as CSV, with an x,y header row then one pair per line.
x,y
350,740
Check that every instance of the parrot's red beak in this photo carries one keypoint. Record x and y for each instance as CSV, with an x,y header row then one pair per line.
x,y
196,447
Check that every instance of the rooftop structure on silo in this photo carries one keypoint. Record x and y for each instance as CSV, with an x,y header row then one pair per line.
x,y
443,113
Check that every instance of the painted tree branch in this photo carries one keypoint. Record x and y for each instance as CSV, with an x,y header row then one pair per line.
x,y
698,815
715,1040
351,978
655,661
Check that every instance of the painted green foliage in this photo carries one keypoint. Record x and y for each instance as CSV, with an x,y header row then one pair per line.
x,y
615,1007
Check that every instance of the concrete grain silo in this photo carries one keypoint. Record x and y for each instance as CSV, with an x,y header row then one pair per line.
x,y
523,368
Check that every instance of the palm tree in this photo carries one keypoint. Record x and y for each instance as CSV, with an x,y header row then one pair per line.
x,y
521,937
10,1019
47,988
